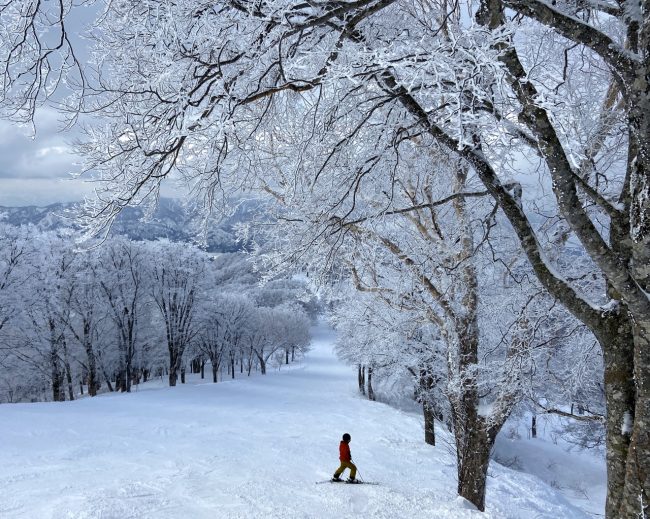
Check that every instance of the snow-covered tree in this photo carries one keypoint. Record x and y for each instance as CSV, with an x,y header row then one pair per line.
x,y
178,274
222,327
123,285
259,93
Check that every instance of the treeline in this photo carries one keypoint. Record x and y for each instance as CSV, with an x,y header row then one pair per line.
x,y
105,319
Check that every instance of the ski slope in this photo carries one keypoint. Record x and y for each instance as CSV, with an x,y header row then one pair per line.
x,y
249,448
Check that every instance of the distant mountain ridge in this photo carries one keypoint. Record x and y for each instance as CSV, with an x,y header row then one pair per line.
x,y
171,220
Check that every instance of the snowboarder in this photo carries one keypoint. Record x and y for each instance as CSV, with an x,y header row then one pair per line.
x,y
346,461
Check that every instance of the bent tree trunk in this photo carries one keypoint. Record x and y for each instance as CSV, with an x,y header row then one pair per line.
x,y
260,357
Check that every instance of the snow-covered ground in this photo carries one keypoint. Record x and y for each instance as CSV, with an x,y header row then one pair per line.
x,y
580,476
248,448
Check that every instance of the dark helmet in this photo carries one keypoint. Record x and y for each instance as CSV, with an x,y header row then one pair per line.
x,y
346,437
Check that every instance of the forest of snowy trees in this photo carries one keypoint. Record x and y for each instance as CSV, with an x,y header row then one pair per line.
x,y
470,181
105,319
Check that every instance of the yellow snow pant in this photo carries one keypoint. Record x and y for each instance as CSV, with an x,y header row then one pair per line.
x,y
346,465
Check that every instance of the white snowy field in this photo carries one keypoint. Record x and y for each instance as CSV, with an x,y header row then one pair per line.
x,y
249,448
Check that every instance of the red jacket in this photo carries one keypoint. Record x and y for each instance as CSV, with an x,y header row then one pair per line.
x,y
344,452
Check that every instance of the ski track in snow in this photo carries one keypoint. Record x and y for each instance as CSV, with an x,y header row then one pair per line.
x,y
249,448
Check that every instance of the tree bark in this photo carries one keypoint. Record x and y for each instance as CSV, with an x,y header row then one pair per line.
x,y
90,356
474,459
68,377
67,369
58,392
636,494
616,342
423,393
429,423
533,426
173,365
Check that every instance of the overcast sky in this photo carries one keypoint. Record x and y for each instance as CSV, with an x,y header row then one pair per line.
x,y
36,170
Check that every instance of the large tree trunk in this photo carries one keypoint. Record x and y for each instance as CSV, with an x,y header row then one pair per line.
x,y
472,441
636,494
473,460
615,337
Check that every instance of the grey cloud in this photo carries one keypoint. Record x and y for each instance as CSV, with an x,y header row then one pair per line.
x,y
46,154
35,169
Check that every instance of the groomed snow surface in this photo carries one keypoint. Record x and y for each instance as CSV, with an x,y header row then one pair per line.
x,y
248,448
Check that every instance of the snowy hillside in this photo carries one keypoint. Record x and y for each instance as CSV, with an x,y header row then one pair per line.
x,y
247,448
170,220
